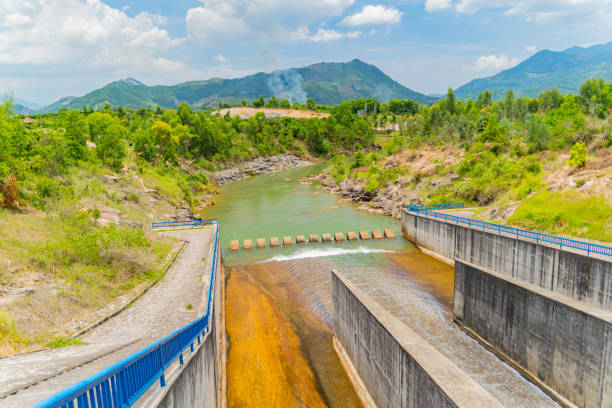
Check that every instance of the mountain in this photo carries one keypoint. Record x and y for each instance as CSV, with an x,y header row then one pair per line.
x,y
327,83
566,70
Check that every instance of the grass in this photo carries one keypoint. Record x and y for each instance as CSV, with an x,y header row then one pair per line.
x,y
189,306
60,342
569,213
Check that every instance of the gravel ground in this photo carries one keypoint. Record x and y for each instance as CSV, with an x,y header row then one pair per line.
x,y
157,313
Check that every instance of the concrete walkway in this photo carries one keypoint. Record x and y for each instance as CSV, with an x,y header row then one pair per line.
x,y
157,313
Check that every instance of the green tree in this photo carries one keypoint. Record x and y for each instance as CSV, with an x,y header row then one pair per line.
x,y
76,133
166,141
111,146
578,155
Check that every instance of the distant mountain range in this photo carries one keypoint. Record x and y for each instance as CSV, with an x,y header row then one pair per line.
x,y
326,83
566,70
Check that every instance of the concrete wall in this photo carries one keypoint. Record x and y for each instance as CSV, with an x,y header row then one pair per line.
x,y
201,382
584,278
563,343
397,367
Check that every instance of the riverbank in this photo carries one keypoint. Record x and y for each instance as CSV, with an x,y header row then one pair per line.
x,y
501,189
260,165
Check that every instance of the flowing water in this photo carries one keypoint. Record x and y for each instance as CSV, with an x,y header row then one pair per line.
x,y
278,304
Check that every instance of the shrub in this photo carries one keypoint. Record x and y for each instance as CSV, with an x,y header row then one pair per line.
x,y
9,191
578,155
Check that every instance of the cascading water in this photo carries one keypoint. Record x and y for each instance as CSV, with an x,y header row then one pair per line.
x,y
279,300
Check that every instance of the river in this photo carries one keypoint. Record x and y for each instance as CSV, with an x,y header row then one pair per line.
x,y
278,300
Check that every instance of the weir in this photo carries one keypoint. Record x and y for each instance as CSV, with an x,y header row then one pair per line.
x,y
385,315
541,303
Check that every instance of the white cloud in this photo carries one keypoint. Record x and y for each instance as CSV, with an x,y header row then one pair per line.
x,y
531,49
86,33
434,5
494,63
373,15
221,58
250,21
544,11
322,35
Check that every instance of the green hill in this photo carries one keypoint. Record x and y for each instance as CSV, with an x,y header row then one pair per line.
x,y
566,70
326,83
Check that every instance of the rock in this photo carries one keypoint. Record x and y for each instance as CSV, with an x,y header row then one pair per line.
x,y
111,179
261,165
25,291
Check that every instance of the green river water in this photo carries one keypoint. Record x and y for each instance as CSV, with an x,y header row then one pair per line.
x,y
294,290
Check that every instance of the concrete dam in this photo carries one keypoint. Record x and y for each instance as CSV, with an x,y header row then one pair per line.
x,y
453,313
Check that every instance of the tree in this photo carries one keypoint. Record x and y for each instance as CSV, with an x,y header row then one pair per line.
x,y
285,104
406,106
167,142
484,99
538,133
144,144
578,155
97,123
158,110
244,102
76,133
451,101
273,102
258,103
310,104
111,147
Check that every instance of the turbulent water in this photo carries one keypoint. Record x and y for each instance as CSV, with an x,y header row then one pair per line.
x,y
287,291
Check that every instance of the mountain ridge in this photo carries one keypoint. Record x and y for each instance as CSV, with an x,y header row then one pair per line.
x,y
328,83
567,70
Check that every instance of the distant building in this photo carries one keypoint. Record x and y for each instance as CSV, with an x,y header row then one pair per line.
x,y
29,121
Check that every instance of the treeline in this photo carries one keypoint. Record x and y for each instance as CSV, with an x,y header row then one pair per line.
x,y
163,138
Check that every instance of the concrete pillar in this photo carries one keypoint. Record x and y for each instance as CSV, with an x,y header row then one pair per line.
x,y
351,236
300,240
287,241
248,244
376,234
339,237
274,243
389,233
234,245
261,242
364,235
326,238
313,239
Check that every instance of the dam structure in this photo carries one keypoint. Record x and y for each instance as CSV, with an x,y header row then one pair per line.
x,y
335,309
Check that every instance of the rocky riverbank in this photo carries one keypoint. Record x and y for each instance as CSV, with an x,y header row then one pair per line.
x,y
261,165
389,201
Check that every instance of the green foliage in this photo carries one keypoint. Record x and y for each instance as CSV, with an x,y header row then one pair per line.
x,y
578,155
405,107
111,146
61,342
569,212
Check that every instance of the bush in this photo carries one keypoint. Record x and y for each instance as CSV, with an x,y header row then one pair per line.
x,y
9,192
578,155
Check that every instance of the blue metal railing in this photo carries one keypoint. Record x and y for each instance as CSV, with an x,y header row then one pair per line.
x,y
121,384
518,232
435,206
184,223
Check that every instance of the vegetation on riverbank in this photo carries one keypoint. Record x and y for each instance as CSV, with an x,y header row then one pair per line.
x,y
515,153
78,188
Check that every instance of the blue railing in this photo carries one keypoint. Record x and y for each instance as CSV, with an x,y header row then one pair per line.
x,y
184,223
518,232
435,206
121,384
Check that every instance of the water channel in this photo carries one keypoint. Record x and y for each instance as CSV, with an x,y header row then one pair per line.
x,y
278,300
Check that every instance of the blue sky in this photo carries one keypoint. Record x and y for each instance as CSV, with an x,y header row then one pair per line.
x,y
55,48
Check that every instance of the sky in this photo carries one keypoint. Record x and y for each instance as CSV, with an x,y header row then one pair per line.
x,y
55,48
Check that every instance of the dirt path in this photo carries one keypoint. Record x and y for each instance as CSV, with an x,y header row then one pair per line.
x,y
157,313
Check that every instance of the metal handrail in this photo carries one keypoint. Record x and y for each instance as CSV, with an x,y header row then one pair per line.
x,y
518,232
124,382
435,206
183,223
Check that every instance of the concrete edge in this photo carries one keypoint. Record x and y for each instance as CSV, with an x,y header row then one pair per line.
x,y
458,386
222,344
92,326
360,388
435,255
567,249
591,310
564,402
